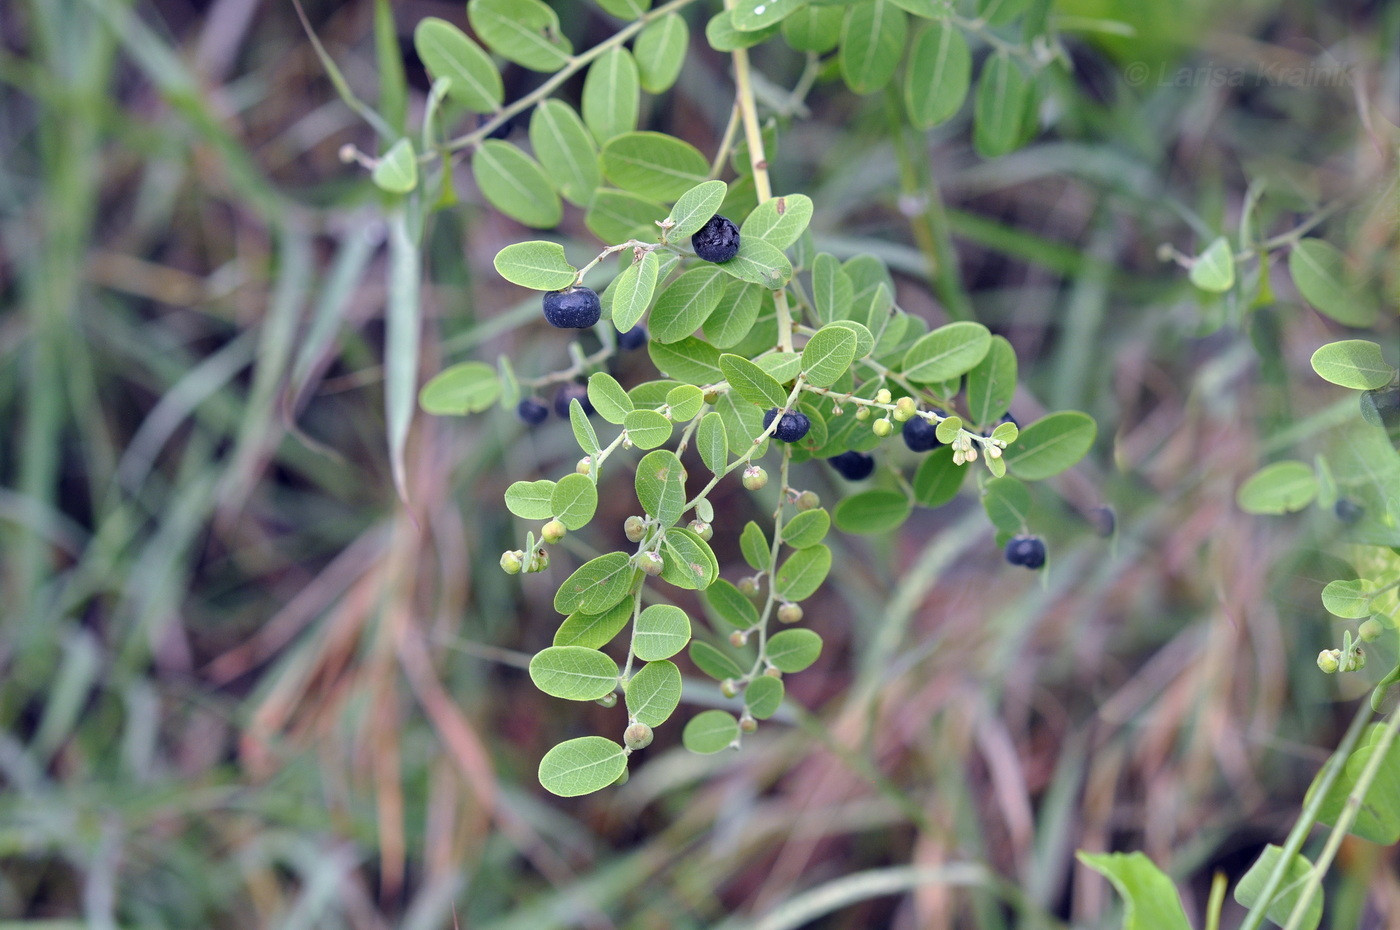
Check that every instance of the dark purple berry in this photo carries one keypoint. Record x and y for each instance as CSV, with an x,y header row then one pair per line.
x,y
634,338
1026,550
574,307
1381,407
532,411
791,428
853,466
1008,418
568,392
717,240
1103,520
1348,511
920,435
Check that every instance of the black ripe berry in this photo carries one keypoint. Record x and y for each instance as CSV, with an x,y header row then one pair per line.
x,y
575,307
1381,407
634,338
1026,550
1008,418
717,240
532,411
920,435
792,427
1348,511
568,392
853,466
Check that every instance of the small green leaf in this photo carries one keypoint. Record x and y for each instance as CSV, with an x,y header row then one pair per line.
x,y
783,366
793,650
937,481
778,220
582,766
752,15
735,316
633,292
814,28
828,355
652,164
597,584
1214,269
584,435
654,692
832,289
1378,818
764,696
1000,12
938,75
686,303
865,339
661,486
754,545
617,216
688,359
611,98
446,52
947,429
660,52
574,501
872,44
1008,504
751,382
875,511
689,561
661,631
684,402
608,397
593,631
807,529
722,35
710,731
759,262
523,31
397,171
538,265
803,573
947,352
647,429
1350,600
573,673
712,442
1251,887
992,383
730,605
531,500
469,387
1051,445
1320,274
566,150
1283,487
1353,363
515,184
695,207
713,662
625,9
1000,107
1150,900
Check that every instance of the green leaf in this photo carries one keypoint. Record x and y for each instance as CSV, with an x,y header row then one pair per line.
x,y
583,430
759,262
803,573
875,511
928,9
865,340
1008,504
948,429
466,388
611,99
574,501
617,216
937,481
582,766
1320,274
735,316
779,221
633,291
764,696
597,584
661,631
1251,888
689,561
660,52
710,731
783,366
999,107
730,605
687,303
447,53
713,662
807,528
515,184
872,44
992,383
661,486
1353,363
1214,269
1000,12
593,631
654,692
754,545
793,650
523,31
688,359
1378,818
573,673
722,35
566,150
685,402
651,394
712,442
752,15
695,207
814,28
1283,487
397,171
947,352
937,76
538,265
1350,600
647,429
531,500
608,397
653,164
625,9
832,289
1051,445
1150,900
828,355
751,382
742,422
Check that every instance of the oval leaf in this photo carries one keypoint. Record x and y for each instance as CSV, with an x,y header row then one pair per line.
x,y
803,573
538,265
466,388
876,511
947,352
1051,445
1282,487
582,766
1319,273
574,501
523,31
1214,269
938,75
710,731
764,696
660,52
652,164
654,693
695,207
597,584
828,355
611,97
872,44
1353,363
793,650
661,631
515,184
446,52
1000,106
661,486
566,149
573,673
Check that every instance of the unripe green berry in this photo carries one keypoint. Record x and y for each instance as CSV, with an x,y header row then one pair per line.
x,y
1370,630
882,396
635,528
882,427
772,672
738,639
702,529
905,408
553,531
789,613
711,397
755,477
1329,660
585,465
608,700
512,562
651,563
862,413
808,500
748,586
728,688
747,724
637,736
622,779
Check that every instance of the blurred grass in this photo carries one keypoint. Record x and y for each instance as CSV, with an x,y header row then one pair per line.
x,y
242,685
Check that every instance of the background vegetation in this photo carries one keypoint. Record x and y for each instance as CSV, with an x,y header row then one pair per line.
x,y
242,685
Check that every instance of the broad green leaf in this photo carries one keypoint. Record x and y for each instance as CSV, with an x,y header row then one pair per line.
x,y
937,481
593,631
752,15
617,216
992,383
947,352
793,650
531,500
937,76
1008,504
611,99
1000,12
446,52
807,529
686,303
651,394
469,387
634,290
742,422
1353,363
723,36
515,184
759,262
574,501
751,382
783,366
872,44
764,696
397,171
802,574
730,605
690,563
523,31
647,429
710,731
661,631
688,359
583,430
582,766
1283,487
608,397
779,220
661,486
654,692
734,318
1251,887
928,9
625,9
1350,600
713,662
566,149
695,207
865,340
754,545
832,289
875,511
660,52
828,355
537,264
999,106
653,164
573,673
712,442
684,402
1051,445
1214,269
1378,818
948,429
1150,900
814,28
1320,274
597,584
